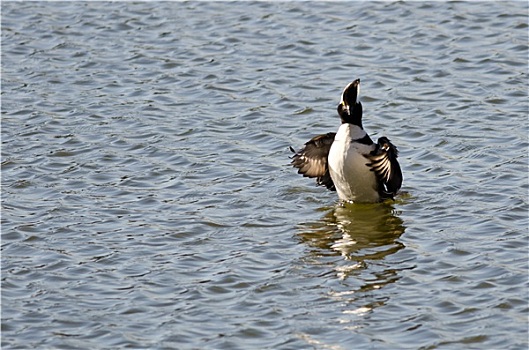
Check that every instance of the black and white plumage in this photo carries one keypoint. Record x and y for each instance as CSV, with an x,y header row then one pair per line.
x,y
348,161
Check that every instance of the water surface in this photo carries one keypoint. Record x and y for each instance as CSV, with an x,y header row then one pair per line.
x,y
148,201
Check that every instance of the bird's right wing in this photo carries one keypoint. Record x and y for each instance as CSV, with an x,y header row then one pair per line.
x,y
311,160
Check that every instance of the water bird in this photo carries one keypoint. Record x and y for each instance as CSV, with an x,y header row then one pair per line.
x,y
348,161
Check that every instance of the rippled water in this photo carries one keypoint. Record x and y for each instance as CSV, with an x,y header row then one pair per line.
x,y
148,201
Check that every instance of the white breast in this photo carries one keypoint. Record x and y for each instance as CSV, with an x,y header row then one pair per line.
x,y
353,179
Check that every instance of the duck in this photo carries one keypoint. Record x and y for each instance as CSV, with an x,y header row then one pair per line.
x,y
348,161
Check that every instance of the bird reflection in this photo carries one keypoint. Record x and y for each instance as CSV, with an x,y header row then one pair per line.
x,y
365,236
361,233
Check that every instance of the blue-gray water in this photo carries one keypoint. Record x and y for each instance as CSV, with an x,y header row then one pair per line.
x,y
148,201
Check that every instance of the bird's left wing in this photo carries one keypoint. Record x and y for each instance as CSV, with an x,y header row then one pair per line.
x,y
384,163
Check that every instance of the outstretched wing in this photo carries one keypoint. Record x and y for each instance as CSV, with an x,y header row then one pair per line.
x,y
311,160
384,163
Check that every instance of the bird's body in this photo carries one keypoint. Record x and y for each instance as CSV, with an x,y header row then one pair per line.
x,y
348,161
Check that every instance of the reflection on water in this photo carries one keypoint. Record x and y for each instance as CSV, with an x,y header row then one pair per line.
x,y
358,232
365,236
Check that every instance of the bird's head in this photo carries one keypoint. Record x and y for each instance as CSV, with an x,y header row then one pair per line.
x,y
350,108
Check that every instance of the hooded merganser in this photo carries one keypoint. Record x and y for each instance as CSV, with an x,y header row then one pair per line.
x,y
348,161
